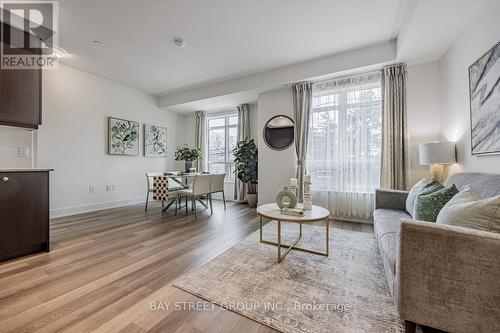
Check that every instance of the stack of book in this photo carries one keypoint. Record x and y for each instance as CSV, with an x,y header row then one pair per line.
x,y
292,211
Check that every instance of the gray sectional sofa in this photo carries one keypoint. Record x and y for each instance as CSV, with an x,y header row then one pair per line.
x,y
441,276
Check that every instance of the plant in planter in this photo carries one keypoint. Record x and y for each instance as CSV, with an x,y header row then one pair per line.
x,y
245,159
188,155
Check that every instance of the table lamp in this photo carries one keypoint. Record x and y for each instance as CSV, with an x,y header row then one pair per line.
x,y
436,154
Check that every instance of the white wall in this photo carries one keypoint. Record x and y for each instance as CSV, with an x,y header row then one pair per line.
x,y
73,141
11,140
479,36
275,167
423,114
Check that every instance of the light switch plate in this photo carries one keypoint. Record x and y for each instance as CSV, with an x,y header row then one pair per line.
x,y
24,152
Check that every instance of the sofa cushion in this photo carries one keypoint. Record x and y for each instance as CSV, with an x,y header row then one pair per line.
x,y
486,184
412,196
466,209
428,206
386,226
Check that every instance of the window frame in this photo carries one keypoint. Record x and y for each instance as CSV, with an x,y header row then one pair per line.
x,y
228,164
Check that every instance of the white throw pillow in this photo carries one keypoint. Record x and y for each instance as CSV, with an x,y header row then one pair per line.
x,y
467,209
412,196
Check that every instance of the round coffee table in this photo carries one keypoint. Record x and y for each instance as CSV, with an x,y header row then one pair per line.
x,y
273,212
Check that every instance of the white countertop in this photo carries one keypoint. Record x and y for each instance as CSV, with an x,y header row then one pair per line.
x,y
25,170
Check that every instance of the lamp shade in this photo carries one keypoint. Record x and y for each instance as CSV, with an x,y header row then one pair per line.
x,y
437,153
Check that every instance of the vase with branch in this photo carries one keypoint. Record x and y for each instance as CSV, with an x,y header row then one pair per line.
x,y
188,155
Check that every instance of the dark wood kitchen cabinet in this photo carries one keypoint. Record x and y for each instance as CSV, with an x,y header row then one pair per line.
x,y
24,212
20,95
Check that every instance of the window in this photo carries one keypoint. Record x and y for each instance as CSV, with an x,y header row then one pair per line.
x,y
345,140
222,139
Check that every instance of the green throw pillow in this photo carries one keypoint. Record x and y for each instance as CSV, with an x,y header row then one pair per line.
x,y
428,206
431,187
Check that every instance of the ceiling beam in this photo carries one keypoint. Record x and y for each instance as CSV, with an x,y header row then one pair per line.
x,y
364,57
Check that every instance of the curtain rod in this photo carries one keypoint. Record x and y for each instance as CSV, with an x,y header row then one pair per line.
x,y
345,76
334,77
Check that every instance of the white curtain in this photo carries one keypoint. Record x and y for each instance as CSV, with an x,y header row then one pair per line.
x,y
344,146
394,141
200,138
240,189
301,109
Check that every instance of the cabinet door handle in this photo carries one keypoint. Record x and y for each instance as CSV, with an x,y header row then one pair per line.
x,y
5,179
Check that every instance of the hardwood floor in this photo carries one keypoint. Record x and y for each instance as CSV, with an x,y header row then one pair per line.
x,y
107,268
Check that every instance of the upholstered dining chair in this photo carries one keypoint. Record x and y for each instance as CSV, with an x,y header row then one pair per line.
x,y
172,185
149,179
161,193
217,186
199,187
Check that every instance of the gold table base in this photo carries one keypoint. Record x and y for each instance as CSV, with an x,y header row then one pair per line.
x,y
293,246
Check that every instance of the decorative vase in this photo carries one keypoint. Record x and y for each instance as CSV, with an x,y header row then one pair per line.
x,y
307,193
188,165
252,199
286,193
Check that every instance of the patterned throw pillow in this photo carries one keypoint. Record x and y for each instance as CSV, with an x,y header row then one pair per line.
x,y
431,187
414,192
428,206
467,209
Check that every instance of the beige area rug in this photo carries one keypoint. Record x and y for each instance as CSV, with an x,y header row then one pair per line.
x,y
345,292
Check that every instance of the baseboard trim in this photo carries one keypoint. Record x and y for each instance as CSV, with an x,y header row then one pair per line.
x,y
68,211
351,219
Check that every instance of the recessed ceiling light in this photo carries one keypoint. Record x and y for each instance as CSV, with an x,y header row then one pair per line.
x,y
56,51
179,42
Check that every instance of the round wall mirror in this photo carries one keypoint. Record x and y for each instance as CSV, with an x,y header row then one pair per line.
x,y
279,132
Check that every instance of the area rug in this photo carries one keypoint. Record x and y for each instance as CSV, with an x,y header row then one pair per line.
x,y
345,292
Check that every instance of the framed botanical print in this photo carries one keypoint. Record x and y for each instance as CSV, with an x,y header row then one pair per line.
x,y
484,89
155,141
123,137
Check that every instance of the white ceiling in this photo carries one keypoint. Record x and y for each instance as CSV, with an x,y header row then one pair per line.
x,y
236,39
225,38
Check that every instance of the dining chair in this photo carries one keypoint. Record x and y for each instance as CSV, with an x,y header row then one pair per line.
x,y
200,186
161,192
217,186
149,179
172,185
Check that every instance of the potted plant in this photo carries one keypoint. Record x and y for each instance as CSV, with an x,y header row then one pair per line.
x,y
188,155
245,159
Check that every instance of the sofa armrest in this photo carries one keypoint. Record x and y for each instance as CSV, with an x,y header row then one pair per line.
x,y
448,277
390,199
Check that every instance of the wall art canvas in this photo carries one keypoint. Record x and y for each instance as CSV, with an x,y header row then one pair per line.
x,y
484,86
123,137
155,141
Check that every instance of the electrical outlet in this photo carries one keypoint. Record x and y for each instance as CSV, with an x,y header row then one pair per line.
x,y
91,189
113,188
24,152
